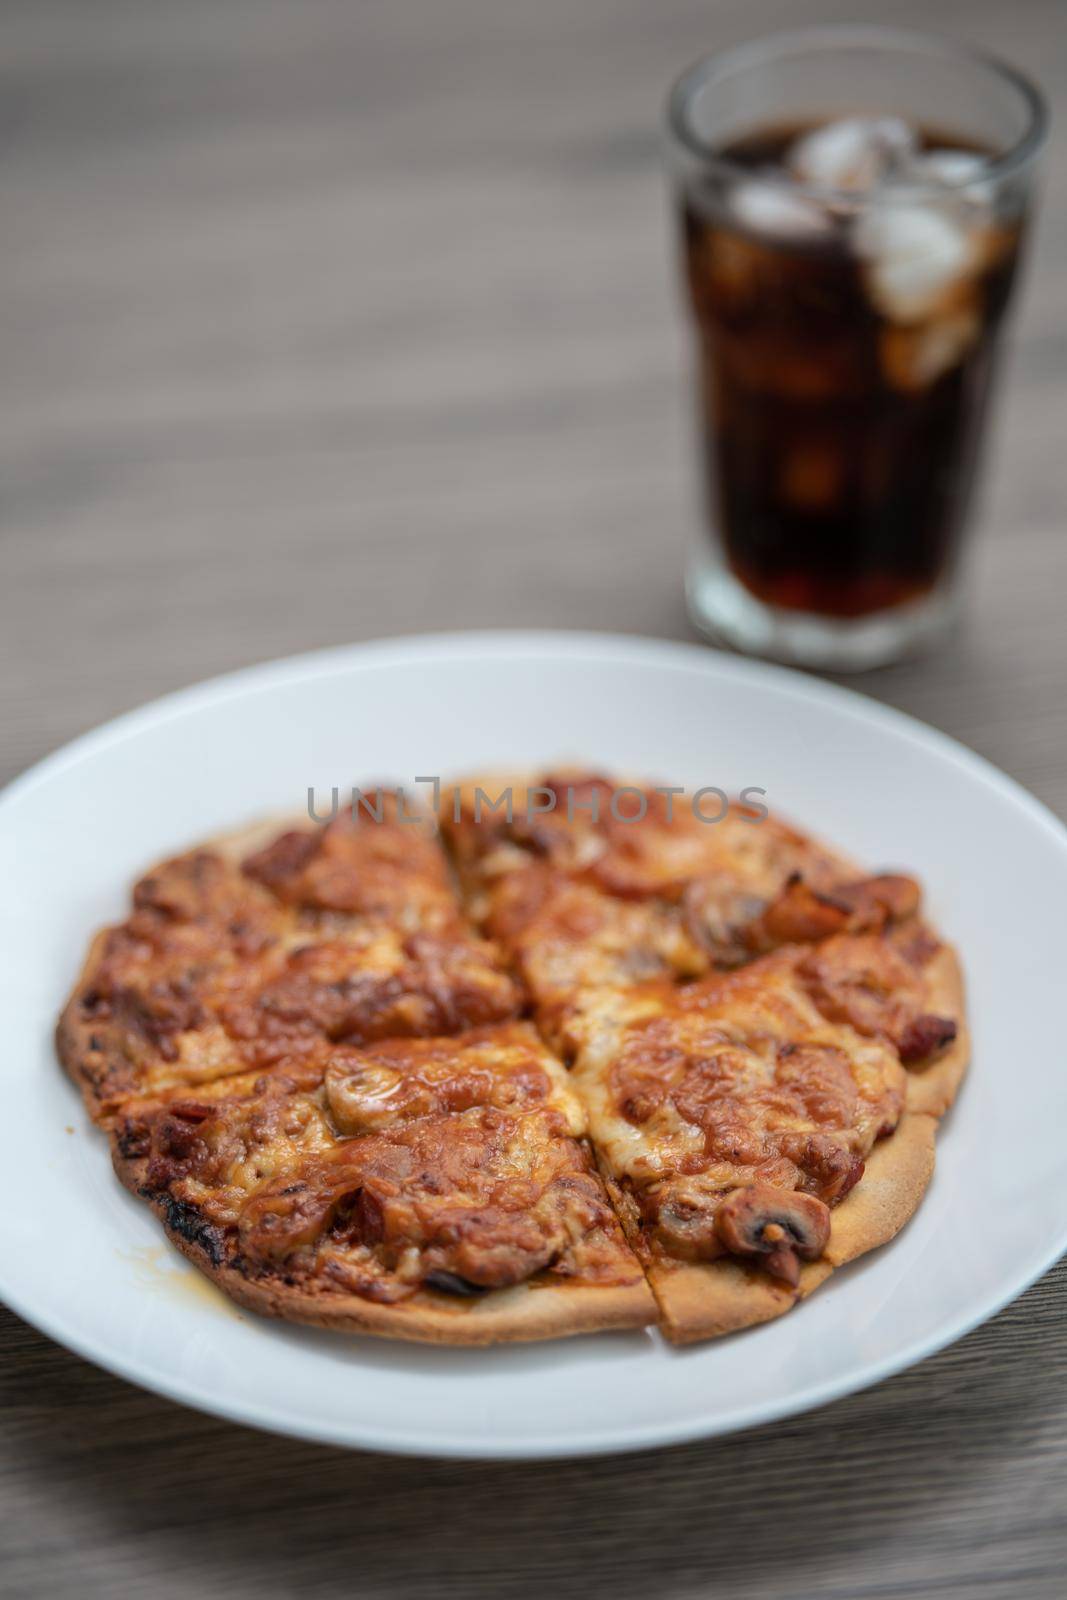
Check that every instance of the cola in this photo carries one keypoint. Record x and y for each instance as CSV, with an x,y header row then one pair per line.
x,y
846,355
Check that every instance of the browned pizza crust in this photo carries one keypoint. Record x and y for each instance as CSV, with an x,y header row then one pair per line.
x,y
933,1086
896,1177
724,1296
705,1301
541,1309
100,1074
527,1312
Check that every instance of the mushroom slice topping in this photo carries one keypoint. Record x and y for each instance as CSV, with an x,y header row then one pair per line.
x,y
778,1226
685,1224
361,1095
720,918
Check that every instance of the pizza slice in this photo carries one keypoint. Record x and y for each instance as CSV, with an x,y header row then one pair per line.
x,y
243,954
618,884
429,1189
761,1127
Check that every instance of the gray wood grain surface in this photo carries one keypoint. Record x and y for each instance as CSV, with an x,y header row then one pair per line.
x,y
323,321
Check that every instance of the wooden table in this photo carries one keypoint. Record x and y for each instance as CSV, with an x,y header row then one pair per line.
x,y
324,321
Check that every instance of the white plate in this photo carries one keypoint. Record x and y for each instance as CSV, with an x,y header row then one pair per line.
x,y
86,1263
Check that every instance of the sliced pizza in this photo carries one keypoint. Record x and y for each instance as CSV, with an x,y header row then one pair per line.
x,y
429,1189
266,945
316,1071
619,884
760,1127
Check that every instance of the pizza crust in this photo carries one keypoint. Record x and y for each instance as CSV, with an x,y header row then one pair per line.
x,y
933,1088
102,1074
238,843
702,1301
530,1311
537,1310
895,1178
705,1301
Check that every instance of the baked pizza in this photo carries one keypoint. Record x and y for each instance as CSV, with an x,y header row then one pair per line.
x,y
753,1136
433,1189
616,885
266,944
604,1056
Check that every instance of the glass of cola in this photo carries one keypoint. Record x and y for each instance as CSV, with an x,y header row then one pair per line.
x,y
853,204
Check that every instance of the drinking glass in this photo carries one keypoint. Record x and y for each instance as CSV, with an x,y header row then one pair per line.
x,y
847,327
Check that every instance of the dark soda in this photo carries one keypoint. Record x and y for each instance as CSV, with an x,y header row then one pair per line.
x,y
842,425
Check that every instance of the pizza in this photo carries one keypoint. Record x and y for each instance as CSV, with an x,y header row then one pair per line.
x,y
606,1056
269,943
430,1188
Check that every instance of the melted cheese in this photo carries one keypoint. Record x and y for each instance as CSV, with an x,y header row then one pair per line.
x,y
749,1054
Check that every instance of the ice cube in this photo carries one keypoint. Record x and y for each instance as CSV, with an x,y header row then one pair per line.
x,y
915,257
960,170
852,155
913,358
771,208
957,167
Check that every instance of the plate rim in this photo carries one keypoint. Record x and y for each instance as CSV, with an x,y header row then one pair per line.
x,y
516,643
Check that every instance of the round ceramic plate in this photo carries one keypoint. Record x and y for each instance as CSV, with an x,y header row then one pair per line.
x,y
85,1262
